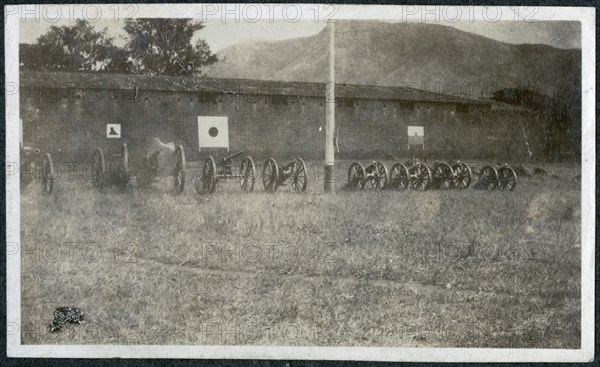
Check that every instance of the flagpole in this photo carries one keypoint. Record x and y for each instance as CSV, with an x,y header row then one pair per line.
x,y
329,179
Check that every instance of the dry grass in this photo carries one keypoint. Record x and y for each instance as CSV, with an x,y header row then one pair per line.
x,y
446,269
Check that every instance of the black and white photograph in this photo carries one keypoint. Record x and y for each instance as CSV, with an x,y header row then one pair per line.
x,y
286,181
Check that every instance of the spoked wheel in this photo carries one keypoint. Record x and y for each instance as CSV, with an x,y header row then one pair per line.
x,y
399,177
123,170
443,176
247,174
507,179
299,179
379,176
48,174
98,169
356,176
488,176
420,177
462,175
270,175
179,171
209,178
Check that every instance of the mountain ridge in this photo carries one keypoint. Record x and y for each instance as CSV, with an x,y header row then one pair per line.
x,y
434,57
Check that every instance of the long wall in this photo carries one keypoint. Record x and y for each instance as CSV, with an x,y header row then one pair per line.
x,y
72,124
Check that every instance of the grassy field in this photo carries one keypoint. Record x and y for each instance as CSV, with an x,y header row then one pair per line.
x,y
440,269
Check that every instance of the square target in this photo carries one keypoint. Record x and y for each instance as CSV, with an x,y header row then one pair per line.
x,y
213,132
416,135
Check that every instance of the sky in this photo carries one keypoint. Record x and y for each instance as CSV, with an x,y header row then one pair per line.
x,y
220,35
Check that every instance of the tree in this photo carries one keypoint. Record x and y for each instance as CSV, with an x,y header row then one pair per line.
x,y
76,48
559,139
164,46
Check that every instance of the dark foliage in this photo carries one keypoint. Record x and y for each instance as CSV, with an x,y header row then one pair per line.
x,y
562,127
164,46
76,48
155,47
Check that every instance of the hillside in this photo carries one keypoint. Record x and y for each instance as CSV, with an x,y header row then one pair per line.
x,y
426,55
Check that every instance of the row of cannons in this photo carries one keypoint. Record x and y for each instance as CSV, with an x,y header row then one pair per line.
x,y
274,174
419,175
153,165
136,162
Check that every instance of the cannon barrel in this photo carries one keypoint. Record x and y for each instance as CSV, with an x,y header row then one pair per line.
x,y
231,156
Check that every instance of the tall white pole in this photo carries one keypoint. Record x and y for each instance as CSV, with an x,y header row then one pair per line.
x,y
329,178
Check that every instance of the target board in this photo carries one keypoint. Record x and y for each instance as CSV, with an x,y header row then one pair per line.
x,y
213,132
113,131
416,135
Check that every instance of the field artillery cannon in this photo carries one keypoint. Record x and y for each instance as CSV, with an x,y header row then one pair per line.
x,y
412,174
443,176
207,183
454,174
28,171
140,159
275,174
376,173
496,176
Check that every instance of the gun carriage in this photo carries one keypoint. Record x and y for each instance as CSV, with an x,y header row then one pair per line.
x,y
206,184
141,161
412,174
276,174
442,176
496,176
375,173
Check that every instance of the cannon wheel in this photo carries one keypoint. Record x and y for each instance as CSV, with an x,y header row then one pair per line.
x,y
420,177
507,179
462,175
489,177
48,174
443,176
123,172
247,174
271,175
379,178
98,169
399,177
209,178
356,176
179,170
299,180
